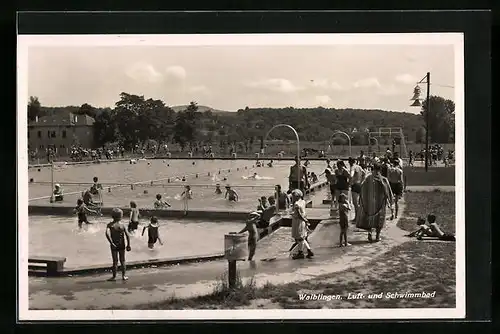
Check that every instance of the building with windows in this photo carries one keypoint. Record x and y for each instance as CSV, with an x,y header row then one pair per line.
x,y
60,131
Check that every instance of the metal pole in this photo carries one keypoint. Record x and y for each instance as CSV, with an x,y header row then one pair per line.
x,y
298,145
52,181
427,122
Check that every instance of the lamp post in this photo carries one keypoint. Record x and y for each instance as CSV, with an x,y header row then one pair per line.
x,y
416,103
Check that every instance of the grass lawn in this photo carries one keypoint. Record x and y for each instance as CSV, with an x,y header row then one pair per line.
x,y
414,267
435,176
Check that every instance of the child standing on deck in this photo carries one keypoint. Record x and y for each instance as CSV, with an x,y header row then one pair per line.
x,y
153,233
134,217
119,242
343,219
253,234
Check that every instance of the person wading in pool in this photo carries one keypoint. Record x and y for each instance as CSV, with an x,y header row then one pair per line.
x,y
153,233
231,194
81,209
119,241
297,172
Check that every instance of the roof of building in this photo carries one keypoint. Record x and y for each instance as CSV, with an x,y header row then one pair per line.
x,y
63,119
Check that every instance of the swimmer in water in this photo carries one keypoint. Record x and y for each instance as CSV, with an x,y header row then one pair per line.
x,y
81,209
254,176
153,233
231,195
119,241
270,164
258,164
218,191
134,217
160,204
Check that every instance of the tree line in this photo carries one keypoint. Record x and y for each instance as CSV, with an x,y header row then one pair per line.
x,y
136,119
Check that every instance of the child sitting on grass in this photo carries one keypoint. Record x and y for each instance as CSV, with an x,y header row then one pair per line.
x,y
431,231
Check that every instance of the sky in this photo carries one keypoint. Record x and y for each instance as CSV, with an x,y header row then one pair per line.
x,y
233,77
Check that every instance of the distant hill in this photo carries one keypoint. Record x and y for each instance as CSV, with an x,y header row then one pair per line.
x,y
200,109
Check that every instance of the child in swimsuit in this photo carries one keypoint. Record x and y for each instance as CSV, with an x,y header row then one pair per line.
x,y
159,203
134,217
343,219
81,209
119,242
231,195
253,235
218,191
153,234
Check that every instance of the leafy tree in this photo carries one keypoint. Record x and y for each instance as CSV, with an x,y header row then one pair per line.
x,y
420,135
105,128
34,108
87,109
441,119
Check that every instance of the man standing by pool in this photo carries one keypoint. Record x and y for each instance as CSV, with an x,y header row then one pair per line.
x,y
297,172
119,241
375,196
357,175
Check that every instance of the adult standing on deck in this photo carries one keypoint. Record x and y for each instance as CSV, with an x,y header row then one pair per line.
x,y
357,176
396,181
297,172
375,196
342,177
299,225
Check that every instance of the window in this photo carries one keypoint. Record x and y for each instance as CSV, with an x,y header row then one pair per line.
x,y
39,134
61,146
41,146
64,133
48,134
52,134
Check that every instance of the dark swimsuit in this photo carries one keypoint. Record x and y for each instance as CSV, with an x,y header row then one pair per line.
x,y
152,234
82,216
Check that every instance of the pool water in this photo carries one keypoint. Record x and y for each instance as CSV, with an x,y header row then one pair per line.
x,y
60,236
202,185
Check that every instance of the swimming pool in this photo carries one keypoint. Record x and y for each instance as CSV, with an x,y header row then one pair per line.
x,y
60,236
167,175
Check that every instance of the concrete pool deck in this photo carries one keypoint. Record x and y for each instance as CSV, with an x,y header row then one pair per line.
x,y
158,284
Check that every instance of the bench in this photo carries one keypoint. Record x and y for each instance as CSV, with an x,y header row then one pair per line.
x,y
54,264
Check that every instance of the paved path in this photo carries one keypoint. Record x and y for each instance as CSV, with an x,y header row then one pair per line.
x,y
157,284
